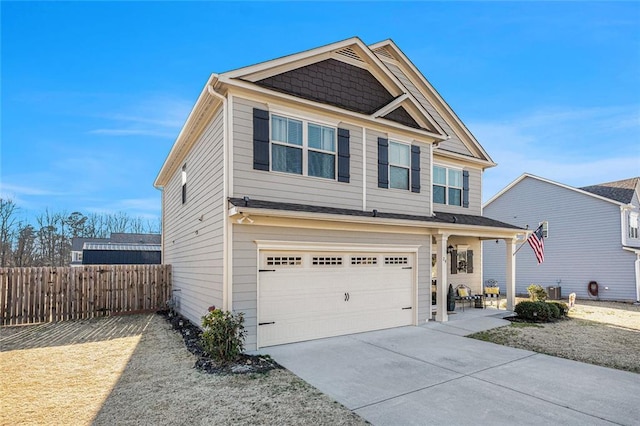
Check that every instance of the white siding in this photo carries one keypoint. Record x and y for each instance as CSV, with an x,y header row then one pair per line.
x,y
475,194
290,188
584,242
194,248
397,200
245,263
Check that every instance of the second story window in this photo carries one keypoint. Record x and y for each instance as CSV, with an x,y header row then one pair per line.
x,y
447,186
184,184
633,225
399,165
302,148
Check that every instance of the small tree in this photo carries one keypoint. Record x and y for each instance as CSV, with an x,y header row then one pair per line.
x,y
223,335
537,293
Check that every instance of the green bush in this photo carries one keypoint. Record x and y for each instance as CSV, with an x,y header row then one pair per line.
x,y
563,309
533,311
223,334
537,293
554,310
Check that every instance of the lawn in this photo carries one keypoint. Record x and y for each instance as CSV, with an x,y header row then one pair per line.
x,y
600,333
136,370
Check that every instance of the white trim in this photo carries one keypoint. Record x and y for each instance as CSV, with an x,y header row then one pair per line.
x,y
364,168
418,227
280,109
430,179
541,179
404,62
335,247
229,138
384,124
390,106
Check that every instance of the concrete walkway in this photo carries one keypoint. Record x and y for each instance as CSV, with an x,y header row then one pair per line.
x,y
432,375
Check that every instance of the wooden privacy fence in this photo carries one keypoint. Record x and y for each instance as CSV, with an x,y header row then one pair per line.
x,y
45,294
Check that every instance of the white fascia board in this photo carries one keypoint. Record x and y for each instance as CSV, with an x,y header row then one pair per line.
x,y
561,185
390,106
380,124
295,57
183,142
406,62
448,228
484,164
324,246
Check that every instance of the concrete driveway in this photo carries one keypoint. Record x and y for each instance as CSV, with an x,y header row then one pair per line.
x,y
432,375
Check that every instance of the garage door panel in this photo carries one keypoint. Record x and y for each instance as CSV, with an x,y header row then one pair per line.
x,y
317,295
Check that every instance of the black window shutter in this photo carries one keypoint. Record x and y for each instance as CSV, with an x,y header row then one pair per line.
x,y
469,261
260,139
465,188
343,155
383,163
415,168
454,262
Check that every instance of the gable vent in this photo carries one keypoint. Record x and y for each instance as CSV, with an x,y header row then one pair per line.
x,y
349,53
382,51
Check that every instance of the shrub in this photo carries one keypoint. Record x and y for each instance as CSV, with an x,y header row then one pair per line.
x,y
537,293
563,309
554,310
533,311
223,334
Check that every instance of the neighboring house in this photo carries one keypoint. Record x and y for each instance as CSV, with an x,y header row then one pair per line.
x,y
77,244
593,236
121,254
321,193
119,248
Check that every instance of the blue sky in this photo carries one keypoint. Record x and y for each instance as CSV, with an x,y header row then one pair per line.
x,y
94,93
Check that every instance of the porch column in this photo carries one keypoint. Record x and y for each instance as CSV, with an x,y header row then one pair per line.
x,y
511,273
441,277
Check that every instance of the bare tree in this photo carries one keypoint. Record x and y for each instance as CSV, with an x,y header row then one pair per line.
x,y
25,249
7,229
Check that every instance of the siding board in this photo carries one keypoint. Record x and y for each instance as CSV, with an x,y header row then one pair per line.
x,y
584,242
194,247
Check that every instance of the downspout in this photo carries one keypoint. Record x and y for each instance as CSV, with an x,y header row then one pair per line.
x,y
227,302
364,168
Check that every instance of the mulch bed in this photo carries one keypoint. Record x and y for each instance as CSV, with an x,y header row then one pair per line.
x,y
191,334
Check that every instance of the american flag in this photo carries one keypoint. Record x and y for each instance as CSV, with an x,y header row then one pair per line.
x,y
536,241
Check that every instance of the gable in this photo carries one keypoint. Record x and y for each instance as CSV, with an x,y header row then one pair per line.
x,y
621,190
461,141
335,83
401,116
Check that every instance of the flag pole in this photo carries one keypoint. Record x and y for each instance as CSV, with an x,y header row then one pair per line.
x,y
521,245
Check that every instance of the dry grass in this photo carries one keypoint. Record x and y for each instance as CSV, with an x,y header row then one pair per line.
x,y
601,333
136,370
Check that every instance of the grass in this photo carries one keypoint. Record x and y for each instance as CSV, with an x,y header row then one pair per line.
x,y
605,333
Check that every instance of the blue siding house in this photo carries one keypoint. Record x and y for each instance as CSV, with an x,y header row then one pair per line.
x,y
592,237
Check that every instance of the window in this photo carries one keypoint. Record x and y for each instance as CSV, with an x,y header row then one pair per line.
x,y
447,186
302,148
399,165
184,184
633,225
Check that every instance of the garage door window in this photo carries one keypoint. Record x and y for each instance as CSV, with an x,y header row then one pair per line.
x,y
396,260
364,260
327,260
284,261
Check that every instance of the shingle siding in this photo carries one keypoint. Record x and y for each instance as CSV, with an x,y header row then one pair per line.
x,y
584,241
335,83
454,144
195,248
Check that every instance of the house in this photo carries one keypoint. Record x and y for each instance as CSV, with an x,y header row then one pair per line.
x,y
592,237
77,244
119,249
322,194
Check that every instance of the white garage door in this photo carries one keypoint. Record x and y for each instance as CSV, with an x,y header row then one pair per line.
x,y
307,295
